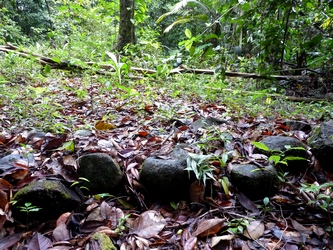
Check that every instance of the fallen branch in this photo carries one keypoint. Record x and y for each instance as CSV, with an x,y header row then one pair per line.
x,y
274,96
180,70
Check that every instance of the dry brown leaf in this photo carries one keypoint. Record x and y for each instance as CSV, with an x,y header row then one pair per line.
x,y
3,199
63,218
300,228
143,133
216,239
191,244
5,184
61,233
208,227
148,224
197,192
254,230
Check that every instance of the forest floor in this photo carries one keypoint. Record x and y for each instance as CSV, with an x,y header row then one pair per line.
x,y
130,124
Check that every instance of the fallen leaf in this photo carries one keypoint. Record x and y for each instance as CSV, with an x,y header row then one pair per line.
x,y
216,239
191,244
148,224
254,230
208,227
143,133
9,241
102,126
247,203
61,233
5,185
3,199
300,228
39,242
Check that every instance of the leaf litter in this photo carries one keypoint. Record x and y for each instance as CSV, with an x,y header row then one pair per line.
x,y
130,129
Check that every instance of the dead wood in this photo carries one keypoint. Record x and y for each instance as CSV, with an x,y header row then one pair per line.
x,y
180,70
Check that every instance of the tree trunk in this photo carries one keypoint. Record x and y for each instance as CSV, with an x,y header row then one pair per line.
x,y
126,34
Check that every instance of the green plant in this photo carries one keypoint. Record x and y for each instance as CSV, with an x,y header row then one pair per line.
x,y
27,208
237,225
122,224
265,207
118,66
79,182
199,165
322,200
277,156
282,176
225,183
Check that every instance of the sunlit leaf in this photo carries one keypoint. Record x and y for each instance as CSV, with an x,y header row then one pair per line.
x,y
188,33
101,125
260,145
69,145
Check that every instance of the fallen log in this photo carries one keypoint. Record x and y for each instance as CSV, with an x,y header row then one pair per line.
x,y
180,70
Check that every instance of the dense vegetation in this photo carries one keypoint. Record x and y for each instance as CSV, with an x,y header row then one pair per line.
x,y
264,37
281,52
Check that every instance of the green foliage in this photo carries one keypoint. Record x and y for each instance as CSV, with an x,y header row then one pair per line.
x,y
118,66
237,225
225,183
79,183
199,165
27,209
322,200
9,30
261,146
277,156
122,224
265,207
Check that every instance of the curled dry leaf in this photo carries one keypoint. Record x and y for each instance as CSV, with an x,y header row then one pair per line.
x,y
107,231
208,227
3,199
216,240
63,218
191,243
61,233
148,224
254,230
39,241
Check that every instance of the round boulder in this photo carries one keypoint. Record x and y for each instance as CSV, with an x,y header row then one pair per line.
x,y
292,151
321,143
256,183
103,173
51,198
166,179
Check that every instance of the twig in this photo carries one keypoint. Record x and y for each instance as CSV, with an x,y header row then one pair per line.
x,y
169,135
285,229
115,144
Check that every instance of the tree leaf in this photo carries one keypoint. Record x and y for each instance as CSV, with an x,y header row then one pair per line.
x,y
254,230
148,224
261,146
208,227
188,33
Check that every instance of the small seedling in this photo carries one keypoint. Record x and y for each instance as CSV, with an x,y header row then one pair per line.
x,y
277,156
265,207
199,165
237,225
225,183
122,225
28,208
322,200
80,181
